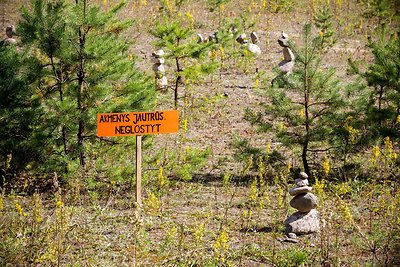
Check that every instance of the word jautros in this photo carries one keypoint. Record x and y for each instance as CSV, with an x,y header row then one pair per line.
x,y
137,123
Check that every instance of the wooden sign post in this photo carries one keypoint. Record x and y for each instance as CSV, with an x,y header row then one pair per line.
x,y
137,124
139,169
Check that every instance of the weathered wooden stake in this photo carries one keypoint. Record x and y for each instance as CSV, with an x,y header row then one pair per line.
x,y
139,170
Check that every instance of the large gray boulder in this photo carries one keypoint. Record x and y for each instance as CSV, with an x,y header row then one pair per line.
x,y
303,223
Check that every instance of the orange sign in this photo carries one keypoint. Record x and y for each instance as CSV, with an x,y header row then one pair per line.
x,y
137,123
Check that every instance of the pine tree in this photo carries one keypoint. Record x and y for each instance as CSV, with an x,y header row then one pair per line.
x,y
87,70
307,109
382,77
20,110
323,21
189,57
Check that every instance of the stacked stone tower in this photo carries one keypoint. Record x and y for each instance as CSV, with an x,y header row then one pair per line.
x,y
159,69
287,64
306,219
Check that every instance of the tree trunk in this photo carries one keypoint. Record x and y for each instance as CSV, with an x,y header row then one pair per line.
x,y
81,81
304,157
306,112
178,80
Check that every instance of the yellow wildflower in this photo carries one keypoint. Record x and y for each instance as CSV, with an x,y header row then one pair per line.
x,y
189,16
398,119
319,187
162,179
37,208
153,202
268,148
221,244
19,208
280,197
376,151
326,166
345,212
264,4
221,52
253,192
389,148
301,113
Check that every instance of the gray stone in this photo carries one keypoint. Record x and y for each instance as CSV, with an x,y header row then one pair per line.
x,y
291,240
10,41
158,60
254,49
292,235
304,202
162,82
303,223
158,68
213,37
283,40
301,182
303,175
288,54
254,37
286,66
10,31
300,190
200,38
242,38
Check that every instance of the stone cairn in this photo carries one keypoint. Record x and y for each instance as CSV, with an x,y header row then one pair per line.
x,y
306,219
159,69
251,47
10,31
287,64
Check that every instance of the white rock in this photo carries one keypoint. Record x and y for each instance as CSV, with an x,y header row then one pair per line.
x,y
254,49
292,235
158,53
303,175
200,38
10,41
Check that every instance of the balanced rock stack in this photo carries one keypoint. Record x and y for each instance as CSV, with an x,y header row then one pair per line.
x,y
306,220
159,69
252,47
287,64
